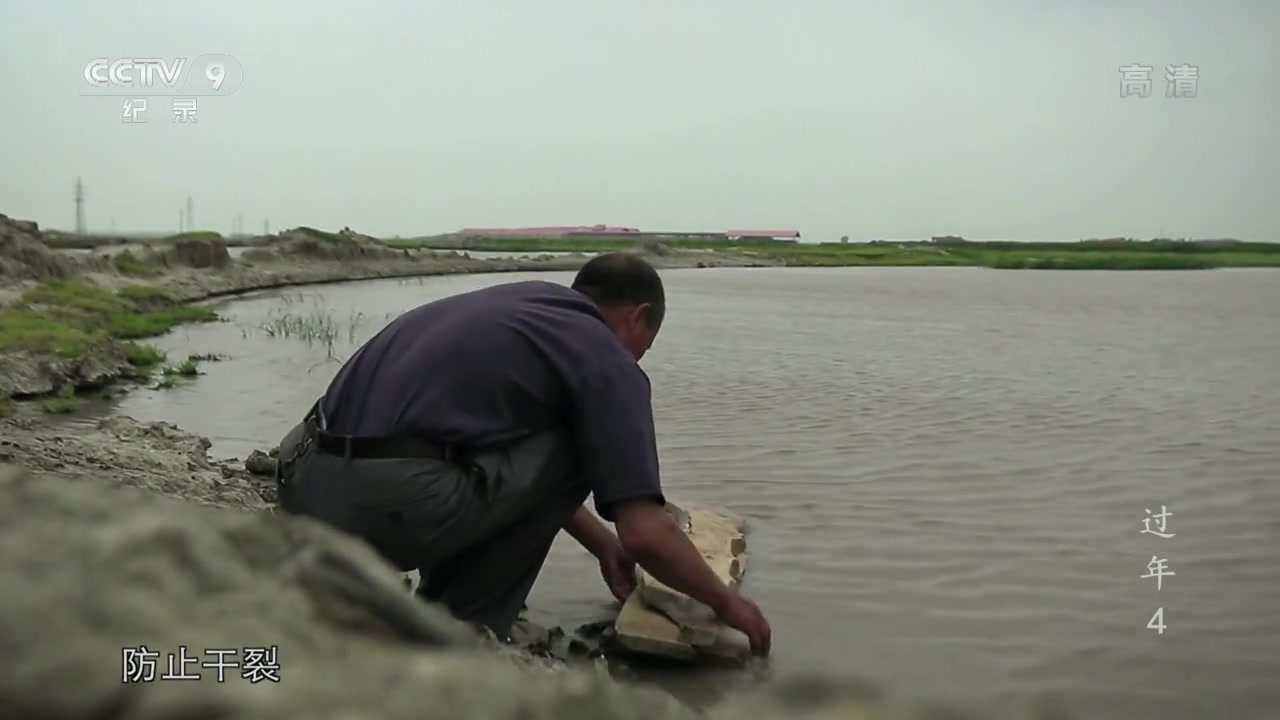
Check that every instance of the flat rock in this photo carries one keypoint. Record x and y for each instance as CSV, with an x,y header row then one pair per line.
x,y
657,620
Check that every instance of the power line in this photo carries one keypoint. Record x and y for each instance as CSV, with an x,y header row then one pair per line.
x,y
80,224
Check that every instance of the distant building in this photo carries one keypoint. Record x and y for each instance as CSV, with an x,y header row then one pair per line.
x,y
784,235
618,231
547,231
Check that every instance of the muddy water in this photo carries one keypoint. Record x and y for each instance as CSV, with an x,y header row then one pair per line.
x,y
945,470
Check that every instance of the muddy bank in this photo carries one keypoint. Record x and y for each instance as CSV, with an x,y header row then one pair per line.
x,y
163,459
128,535
70,323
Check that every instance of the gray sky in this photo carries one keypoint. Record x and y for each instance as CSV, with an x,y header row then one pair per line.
x,y
892,119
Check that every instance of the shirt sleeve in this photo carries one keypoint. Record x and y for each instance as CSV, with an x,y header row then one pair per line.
x,y
616,435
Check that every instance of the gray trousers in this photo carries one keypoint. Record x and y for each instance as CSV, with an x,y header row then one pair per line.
x,y
477,532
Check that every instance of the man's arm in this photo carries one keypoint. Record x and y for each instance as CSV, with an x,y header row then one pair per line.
x,y
650,535
590,532
620,456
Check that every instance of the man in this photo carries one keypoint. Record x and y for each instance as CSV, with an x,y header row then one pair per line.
x,y
467,433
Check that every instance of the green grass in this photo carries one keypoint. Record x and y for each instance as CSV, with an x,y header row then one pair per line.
x,y
126,263
65,402
1099,261
145,294
65,318
141,355
312,324
187,368
1161,254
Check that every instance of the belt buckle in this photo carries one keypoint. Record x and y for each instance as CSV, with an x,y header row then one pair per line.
x,y
284,466
304,443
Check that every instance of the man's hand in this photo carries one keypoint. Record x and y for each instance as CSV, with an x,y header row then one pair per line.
x,y
743,614
619,571
616,566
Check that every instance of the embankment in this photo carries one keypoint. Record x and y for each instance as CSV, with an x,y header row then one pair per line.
x,y
69,323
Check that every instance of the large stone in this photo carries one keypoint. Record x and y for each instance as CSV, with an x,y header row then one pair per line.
x,y
659,620
643,630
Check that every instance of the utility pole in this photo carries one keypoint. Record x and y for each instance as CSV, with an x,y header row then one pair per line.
x,y
191,225
80,225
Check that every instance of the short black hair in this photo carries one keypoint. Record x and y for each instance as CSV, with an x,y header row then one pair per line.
x,y
617,279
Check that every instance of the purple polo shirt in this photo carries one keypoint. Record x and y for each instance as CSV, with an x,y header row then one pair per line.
x,y
499,364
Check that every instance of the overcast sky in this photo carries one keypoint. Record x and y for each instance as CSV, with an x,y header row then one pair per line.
x,y
891,119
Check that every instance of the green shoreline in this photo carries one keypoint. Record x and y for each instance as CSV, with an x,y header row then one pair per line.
x,y
1107,254
1083,255
73,322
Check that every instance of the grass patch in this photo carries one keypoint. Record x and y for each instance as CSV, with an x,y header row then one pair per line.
x,y
313,325
63,318
7,407
146,294
187,368
126,263
1101,261
143,356
64,403
310,327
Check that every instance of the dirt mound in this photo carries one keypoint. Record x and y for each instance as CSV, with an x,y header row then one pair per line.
x,y
24,256
345,244
198,252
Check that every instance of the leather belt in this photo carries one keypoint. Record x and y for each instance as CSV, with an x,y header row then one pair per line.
x,y
358,447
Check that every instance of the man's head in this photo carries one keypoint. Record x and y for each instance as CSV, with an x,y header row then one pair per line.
x,y
629,293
